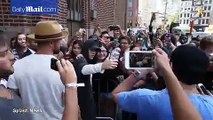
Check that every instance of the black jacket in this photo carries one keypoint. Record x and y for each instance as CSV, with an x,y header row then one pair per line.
x,y
85,97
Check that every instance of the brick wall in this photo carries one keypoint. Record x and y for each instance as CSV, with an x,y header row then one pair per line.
x,y
25,23
109,12
106,12
121,13
134,10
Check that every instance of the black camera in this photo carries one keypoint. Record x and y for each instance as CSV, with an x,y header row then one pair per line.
x,y
112,28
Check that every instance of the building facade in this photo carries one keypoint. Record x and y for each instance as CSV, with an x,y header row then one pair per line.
x,y
146,7
189,12
93,12
73,14
185,13
132,13
25,23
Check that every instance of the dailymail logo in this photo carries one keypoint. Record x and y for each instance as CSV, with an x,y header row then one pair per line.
x,y
33,7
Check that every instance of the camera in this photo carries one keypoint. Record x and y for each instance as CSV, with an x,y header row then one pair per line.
x,y
112,28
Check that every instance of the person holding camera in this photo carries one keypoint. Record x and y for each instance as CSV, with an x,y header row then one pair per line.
x,y
188,68
69,79
117,31
39,86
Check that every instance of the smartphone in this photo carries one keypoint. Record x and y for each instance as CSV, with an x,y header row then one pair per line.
x,y
168,38
211,57
202,89
112,27
139,60
53,64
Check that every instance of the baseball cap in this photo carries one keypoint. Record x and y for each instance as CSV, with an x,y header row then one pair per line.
x,y
189,64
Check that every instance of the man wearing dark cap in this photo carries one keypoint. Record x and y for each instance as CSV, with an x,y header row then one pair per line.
x,y
206,44
189,65
39,86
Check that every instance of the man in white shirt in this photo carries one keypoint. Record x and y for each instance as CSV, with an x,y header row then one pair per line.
x,y
39,86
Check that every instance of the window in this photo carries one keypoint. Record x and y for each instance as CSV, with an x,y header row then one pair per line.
x,y
209,8
210,1
208,14
130,14
181,15
199,22
187,22
204,14
129,3
75,9
184,15
188,8
205,8
207,21
180,21
188,15
203,22
184,21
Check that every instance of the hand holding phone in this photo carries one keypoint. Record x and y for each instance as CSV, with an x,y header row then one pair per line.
x,y
139,60
53,64
168,38
202,89
112,27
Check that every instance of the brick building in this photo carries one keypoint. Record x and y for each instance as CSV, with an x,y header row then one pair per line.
x,y
24,23
102,12
132,13
73,14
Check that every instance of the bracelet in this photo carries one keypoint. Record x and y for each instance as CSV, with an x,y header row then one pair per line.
x,y
74,85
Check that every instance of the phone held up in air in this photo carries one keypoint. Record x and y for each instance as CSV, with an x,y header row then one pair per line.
x,y
53,64
139,60
168,37
202,89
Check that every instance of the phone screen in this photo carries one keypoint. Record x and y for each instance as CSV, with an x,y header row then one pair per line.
x,y
141,60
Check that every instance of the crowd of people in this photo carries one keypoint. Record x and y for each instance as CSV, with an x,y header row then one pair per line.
x,y
89,80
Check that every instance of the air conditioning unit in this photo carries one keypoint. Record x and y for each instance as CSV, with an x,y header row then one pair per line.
x,y
93,14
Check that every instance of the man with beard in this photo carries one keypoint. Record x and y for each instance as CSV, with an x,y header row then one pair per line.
x,y
39,86
9,102
21,48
